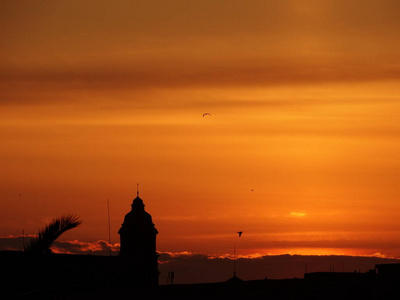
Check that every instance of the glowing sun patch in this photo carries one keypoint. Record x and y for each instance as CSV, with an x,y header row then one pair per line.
x,y
297,214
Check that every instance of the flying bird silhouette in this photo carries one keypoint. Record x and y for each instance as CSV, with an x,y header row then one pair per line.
x,y
240,233
205,114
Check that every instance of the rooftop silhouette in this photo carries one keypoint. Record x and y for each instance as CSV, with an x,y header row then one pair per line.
x,y
135,271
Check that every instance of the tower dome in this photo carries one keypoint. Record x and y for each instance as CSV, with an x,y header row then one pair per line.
x,y
138,241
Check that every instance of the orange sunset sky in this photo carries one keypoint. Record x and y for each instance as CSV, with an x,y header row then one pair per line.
x,y
301,151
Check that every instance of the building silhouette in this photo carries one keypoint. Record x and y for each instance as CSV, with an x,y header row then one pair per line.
x,y
138,243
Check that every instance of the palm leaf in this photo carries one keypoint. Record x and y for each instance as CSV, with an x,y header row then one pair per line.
x,y
45,238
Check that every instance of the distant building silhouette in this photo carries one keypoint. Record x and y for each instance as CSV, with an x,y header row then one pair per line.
x,y
388,271
138,243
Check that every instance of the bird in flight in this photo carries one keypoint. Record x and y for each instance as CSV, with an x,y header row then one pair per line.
x,y
240,233
205,114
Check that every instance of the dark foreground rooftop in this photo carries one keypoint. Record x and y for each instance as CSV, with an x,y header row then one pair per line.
x,y
90,277
255,289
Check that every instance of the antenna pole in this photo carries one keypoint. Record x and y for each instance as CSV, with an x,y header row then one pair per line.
x,y
234,260
109,224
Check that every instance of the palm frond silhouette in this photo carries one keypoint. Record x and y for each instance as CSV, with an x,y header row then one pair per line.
x,y
45,238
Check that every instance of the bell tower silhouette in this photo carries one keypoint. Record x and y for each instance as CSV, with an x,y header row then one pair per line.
x,y
138,243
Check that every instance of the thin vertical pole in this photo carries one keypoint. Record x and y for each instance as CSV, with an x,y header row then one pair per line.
x,y
234,260
109,225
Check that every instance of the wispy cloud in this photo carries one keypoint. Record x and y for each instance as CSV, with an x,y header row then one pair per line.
x,y
196,268
190,267
99,247
76,247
